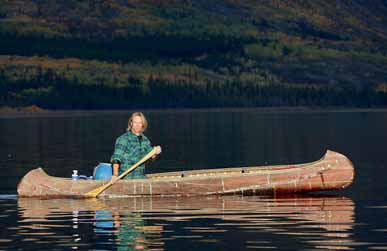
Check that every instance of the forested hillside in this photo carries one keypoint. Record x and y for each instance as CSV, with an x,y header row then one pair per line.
x,y
192,53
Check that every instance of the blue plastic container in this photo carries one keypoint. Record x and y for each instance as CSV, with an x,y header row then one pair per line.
x,y
103,171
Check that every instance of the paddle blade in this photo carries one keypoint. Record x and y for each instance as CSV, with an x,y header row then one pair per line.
x,y
94,193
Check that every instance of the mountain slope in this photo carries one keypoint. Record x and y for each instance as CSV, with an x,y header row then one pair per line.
x,y
327,48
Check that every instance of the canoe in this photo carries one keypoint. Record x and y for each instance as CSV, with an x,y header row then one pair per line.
x,y
333,171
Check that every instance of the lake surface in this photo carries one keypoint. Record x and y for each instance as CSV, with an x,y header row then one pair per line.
x,y
352,219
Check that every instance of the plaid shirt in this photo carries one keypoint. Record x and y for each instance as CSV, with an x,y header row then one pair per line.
x,y
129,149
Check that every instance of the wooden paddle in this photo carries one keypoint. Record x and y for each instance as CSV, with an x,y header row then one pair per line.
x,y
94,193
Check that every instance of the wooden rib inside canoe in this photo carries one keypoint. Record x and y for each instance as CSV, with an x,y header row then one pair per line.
x,y
333,171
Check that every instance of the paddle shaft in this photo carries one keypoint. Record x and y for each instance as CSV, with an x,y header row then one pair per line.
x,y
94,193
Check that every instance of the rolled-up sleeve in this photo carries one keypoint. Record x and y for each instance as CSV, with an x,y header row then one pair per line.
x,y
119,150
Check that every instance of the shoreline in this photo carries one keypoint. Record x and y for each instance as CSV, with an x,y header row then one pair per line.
x,y
21,109
35,111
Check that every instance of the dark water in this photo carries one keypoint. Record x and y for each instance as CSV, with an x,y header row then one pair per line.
x,y
353,219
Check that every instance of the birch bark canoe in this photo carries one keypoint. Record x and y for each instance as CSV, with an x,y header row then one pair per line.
x,y
333,171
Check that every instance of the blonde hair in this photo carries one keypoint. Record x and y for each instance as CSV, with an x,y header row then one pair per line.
x,y
144,121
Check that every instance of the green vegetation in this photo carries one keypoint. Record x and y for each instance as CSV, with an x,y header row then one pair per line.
x,y
122,54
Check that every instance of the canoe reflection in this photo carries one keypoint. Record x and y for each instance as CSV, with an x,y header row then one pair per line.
x,y
147,223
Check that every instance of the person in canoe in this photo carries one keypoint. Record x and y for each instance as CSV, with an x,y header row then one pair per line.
x,y
131,147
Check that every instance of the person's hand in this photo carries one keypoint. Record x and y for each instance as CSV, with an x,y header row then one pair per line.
x,y
114,178
158,149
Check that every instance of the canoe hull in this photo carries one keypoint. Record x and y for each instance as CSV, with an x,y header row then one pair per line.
x,y
333,172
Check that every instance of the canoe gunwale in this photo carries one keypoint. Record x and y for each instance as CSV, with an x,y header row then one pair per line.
x,y
236,171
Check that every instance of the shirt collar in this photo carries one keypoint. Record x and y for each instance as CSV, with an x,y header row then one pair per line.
x,y
134,135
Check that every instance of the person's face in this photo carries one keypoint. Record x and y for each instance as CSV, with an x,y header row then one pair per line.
x,y
137,125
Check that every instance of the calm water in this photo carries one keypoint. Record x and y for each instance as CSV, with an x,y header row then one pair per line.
x,y
353,219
